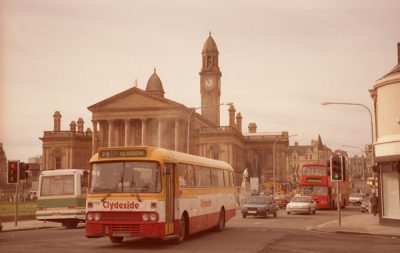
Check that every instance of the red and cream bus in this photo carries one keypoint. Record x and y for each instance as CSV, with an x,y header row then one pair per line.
x,y
315,182
157,193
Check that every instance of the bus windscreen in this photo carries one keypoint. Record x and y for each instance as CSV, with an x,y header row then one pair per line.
x,y
126,177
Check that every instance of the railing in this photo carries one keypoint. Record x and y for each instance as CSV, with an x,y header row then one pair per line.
x,y
66,134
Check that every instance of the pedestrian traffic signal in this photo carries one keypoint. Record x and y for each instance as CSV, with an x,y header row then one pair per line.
x,y
23,170
12,172
336,168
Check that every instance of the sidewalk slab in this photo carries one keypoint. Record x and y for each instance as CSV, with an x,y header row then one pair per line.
x,y
29,225
366,224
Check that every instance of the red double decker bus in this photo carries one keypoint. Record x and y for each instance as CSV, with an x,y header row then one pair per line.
x,y
315,182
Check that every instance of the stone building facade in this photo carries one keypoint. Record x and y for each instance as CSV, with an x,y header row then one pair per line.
x,y
137,117
385,94
64,149
298,155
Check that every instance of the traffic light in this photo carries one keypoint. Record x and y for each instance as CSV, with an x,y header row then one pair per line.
x,y
344,166
336,168
23,170
12,172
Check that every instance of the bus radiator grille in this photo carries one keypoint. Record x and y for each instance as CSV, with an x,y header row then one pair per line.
x,y
124,228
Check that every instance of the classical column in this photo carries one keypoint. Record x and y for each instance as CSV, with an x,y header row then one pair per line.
x,y
127,131
177,126
94,137
144,131
110,131
159,132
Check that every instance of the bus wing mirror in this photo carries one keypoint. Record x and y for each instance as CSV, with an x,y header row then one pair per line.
x,y
85,179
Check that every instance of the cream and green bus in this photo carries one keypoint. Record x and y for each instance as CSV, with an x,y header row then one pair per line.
x,y
62,196
156,193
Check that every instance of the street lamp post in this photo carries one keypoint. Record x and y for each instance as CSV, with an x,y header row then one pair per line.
x,y
356,104
273,158
371,121
188,121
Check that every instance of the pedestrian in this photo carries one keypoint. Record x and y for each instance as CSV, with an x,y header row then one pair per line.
x,y
374,203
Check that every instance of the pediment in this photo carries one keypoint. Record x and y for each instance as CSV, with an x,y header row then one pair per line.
x,y
132,98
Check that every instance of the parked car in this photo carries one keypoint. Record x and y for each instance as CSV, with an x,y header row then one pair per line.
x,y
281,200
260,205
301,204
356,198
365,205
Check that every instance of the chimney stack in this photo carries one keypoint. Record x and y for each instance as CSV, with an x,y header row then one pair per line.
x,y
232,116
252,128
72,126
57,121
239,122
80,125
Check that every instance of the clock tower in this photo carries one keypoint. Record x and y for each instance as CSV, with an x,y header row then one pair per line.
x,y
210,82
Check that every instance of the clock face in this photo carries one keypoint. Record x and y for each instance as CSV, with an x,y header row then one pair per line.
x,y
209,83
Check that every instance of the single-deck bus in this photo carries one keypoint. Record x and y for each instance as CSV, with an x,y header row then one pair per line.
x,y
156,193
62,196
315,182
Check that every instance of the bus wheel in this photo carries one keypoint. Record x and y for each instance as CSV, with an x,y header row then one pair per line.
x,y
116,239
221,221
70,223
182,230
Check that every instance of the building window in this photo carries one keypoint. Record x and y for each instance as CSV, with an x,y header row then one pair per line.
x,y
58,162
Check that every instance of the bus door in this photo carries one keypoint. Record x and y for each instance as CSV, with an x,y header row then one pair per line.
x,y
169,197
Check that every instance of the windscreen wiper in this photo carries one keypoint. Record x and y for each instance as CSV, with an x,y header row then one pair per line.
x,y
137,196
104,198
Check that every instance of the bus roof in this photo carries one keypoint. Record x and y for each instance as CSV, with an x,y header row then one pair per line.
x,y
155,153
61,172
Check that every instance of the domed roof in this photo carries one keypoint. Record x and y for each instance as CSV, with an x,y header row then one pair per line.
x,y
209,45
154,85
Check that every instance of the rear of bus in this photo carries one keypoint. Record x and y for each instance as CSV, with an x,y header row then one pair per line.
x,y
62,197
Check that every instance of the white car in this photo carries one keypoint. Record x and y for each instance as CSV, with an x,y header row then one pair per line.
x,y
301,204
356,198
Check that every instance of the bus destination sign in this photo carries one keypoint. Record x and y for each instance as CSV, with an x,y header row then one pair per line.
x,y
123,153
314,180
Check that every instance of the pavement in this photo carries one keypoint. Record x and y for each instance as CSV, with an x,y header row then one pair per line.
x,y
365,224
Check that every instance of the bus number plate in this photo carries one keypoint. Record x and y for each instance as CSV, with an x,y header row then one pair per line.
x,y
121,234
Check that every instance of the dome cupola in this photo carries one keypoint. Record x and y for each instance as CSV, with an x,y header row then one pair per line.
x,y
154,85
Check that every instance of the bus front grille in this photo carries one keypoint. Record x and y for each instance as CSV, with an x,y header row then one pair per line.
x,y
122,228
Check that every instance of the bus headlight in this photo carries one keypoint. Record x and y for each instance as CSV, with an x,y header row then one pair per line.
x,y
96,216
145,217
89,217
153,216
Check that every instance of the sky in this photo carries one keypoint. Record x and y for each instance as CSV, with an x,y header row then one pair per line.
x,y
279,61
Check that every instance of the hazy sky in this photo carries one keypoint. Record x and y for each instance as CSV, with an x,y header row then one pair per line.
x,y
279,61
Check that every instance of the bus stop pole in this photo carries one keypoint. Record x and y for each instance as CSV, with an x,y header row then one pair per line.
x,y
338,203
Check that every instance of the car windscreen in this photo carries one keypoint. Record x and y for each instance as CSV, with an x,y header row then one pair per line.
x,y
300,199
258,200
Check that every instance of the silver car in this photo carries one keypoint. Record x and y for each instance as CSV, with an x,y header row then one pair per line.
x,y
301,204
